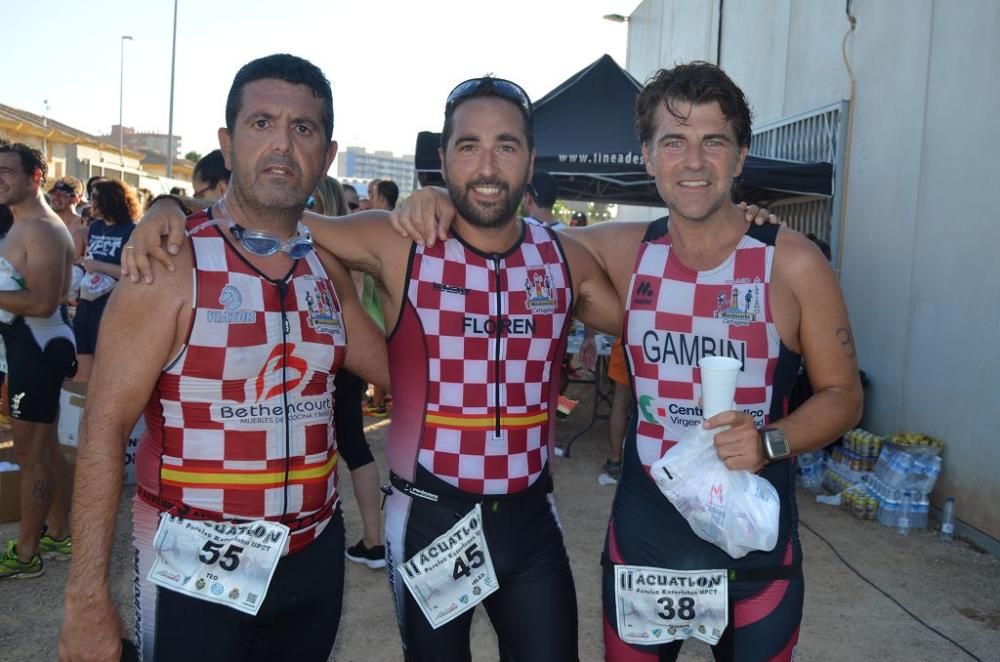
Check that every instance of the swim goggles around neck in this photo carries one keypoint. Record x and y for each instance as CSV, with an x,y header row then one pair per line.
x,y
262,243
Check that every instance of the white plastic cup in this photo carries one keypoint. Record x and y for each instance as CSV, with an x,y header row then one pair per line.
x,y
718,384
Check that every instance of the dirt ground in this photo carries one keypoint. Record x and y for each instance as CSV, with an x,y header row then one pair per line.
x,y
951,587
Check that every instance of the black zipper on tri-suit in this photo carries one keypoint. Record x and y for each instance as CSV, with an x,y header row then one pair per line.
x,y
499,317
286,329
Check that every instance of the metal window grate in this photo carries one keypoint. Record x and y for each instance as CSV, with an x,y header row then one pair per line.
x,y
815,135
806,216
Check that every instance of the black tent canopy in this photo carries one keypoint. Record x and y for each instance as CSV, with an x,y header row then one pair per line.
x,y
585,138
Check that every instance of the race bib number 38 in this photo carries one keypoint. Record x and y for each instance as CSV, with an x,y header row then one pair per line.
x,y
454,573
656,606
231,564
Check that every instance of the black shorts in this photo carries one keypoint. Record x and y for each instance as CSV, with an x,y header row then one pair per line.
x,y
534,611
349,421
298,620
86,322
35,374
766,589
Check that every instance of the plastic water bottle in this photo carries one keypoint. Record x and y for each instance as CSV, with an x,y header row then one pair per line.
x,y
920,511
905,508
948,520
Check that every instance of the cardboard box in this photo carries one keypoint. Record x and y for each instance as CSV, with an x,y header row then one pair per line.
x,y
71,403
130,450
10,486
10,483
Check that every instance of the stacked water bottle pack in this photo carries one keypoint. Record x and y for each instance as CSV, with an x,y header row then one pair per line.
x,y
906,471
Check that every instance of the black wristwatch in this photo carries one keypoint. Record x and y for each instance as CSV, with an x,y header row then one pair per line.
x,y
774,443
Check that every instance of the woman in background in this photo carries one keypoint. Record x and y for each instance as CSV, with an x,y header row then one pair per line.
x,y
329,200
115,210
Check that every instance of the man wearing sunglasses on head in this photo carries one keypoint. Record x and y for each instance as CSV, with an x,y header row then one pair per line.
x,y
238,531
476,329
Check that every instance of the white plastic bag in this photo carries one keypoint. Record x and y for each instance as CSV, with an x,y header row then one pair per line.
x,y
10,281
76,280
735,510
95,285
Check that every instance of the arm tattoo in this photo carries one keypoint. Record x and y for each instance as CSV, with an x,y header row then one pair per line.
x,y
847,341
41,491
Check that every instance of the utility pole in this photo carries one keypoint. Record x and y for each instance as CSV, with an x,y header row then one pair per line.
x,y
121,103
170,126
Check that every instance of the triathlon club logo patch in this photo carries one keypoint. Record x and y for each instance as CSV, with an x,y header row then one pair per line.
x,y
740,305
323,314
541,296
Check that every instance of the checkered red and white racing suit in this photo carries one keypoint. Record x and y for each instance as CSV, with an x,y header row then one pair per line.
x,y
674,316
474,360
239,426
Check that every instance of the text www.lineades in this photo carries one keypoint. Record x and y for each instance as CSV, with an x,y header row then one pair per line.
x,y
602,158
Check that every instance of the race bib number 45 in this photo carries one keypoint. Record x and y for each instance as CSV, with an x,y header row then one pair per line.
x,y
454,573
228,563
656,606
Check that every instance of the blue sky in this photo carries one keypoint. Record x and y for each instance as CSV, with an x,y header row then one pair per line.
x,y
391,62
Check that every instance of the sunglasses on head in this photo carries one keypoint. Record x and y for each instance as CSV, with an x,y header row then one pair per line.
x,y
503,88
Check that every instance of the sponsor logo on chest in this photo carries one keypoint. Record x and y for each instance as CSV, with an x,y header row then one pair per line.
x,y
645,293
231,300
683,414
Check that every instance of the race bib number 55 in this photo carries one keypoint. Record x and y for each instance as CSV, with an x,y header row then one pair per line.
x,y
228,563
656,606
454,573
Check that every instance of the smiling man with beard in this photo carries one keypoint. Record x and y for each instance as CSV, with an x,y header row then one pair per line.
x,y
477,328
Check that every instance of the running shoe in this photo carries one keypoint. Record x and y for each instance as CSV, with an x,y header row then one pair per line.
x,y
372,410
613,470
566,406
373,557
50,548
12,567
